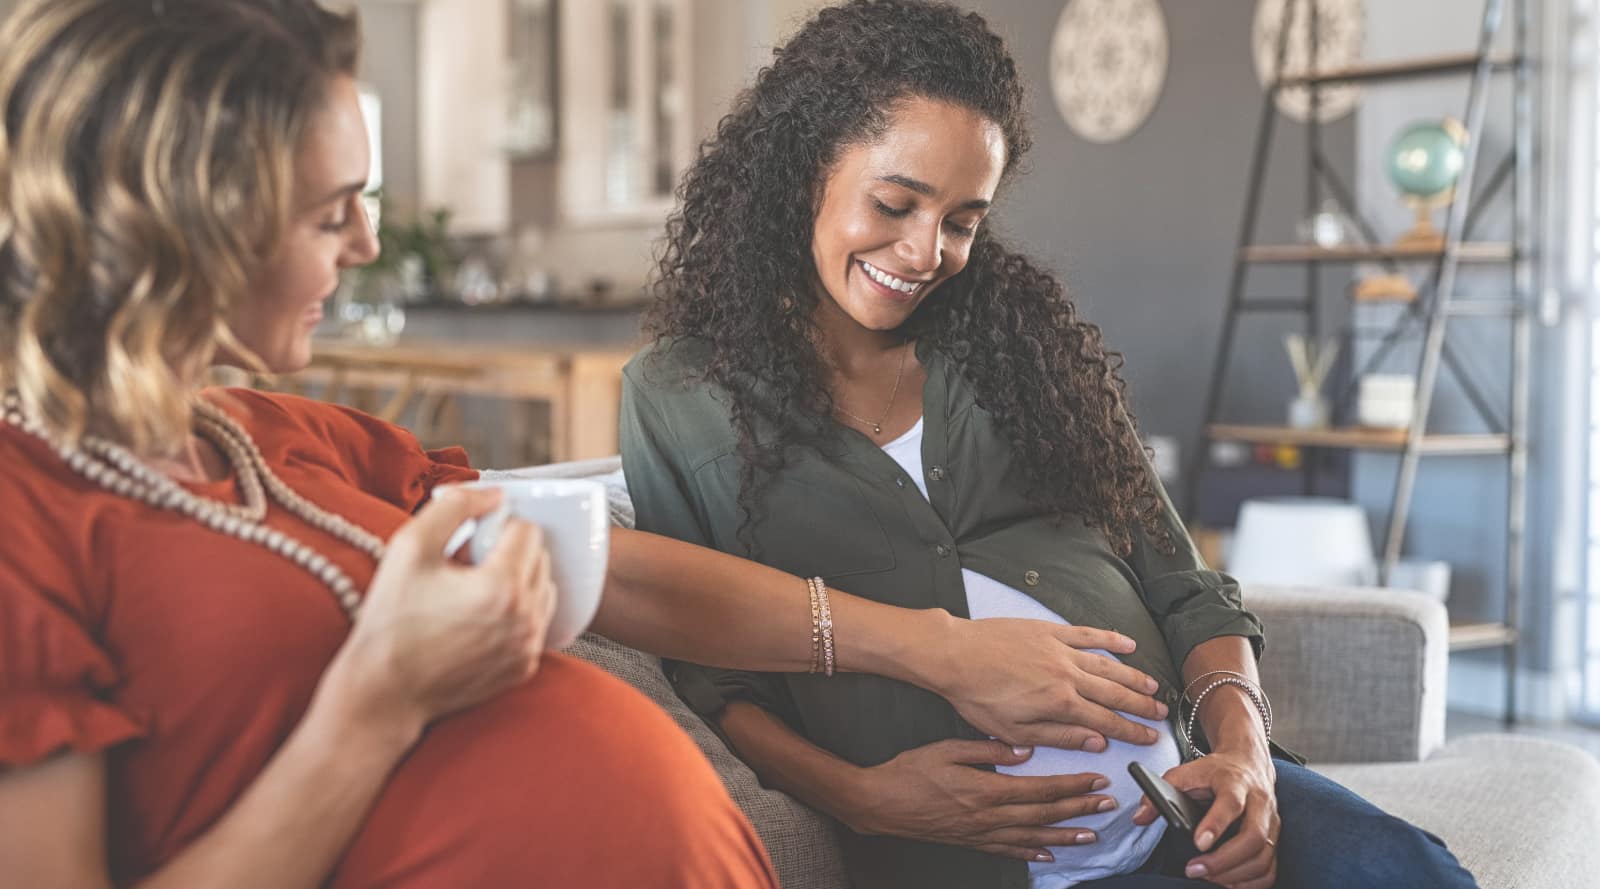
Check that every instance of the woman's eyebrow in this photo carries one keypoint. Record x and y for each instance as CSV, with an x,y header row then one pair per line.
x,y
923,188
342,191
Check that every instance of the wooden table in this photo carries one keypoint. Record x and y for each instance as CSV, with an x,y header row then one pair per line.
x,y
579,386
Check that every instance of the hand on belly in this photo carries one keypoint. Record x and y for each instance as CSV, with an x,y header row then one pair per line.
x,y
1117,837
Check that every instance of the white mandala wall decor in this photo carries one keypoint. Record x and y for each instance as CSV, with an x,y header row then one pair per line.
x,y
1108,62
1341,34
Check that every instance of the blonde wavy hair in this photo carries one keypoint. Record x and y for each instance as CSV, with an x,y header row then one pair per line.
x,y
147,154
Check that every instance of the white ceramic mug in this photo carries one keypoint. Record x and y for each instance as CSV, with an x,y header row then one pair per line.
x,y
577,533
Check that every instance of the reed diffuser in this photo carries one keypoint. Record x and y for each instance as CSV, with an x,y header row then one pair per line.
x,y
1311,363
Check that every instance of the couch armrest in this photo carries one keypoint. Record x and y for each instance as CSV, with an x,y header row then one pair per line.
x,y
1354,675
574,469
606,470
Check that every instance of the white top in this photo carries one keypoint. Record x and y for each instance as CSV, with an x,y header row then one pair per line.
x,y
1122,845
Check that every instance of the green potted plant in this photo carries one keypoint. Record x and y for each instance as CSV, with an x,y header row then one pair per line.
x,y
417,260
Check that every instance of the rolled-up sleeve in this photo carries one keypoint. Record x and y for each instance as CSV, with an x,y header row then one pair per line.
x,y
656,468
1190,602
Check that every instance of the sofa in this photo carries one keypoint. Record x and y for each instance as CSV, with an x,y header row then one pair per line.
x,y
1357,680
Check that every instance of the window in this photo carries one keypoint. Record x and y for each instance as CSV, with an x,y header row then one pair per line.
x,y
1583,271
625,131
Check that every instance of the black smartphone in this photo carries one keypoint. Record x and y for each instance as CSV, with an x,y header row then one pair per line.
x,y
1179,810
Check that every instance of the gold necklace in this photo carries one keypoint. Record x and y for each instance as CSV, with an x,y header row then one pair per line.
x,y
877,428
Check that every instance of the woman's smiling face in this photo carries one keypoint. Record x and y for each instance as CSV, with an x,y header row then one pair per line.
x,y
899,213
329,232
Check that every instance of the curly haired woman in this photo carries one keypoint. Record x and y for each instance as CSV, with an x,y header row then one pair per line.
x,y
854,378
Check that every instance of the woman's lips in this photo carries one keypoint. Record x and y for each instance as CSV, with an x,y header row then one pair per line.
x,y
886,292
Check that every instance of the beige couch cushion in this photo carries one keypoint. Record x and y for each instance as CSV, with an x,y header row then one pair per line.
x,y
1519,812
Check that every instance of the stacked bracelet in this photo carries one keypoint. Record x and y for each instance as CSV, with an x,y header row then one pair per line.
x,y
827,629
1260,696
816,626
1227,677
821,628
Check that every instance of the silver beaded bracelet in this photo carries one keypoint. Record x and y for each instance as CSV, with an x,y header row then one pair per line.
x,y
1204,676
1253,691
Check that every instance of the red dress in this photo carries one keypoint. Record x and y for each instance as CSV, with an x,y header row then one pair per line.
x,y
188,656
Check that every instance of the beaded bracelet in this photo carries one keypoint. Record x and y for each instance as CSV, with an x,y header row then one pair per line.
x,y
1258,697
825,625
816,626
821,628
1203,676
1266,718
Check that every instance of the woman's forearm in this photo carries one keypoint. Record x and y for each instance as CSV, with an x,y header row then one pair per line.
x,y
296,819
1228,716
783,759
691,603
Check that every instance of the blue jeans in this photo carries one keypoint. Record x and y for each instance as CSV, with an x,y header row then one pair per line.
x,y
1329,839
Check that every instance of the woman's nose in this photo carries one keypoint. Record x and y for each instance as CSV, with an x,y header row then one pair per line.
x,y
363,246
920,251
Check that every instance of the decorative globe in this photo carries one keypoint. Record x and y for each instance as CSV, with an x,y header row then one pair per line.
x,y
1426,159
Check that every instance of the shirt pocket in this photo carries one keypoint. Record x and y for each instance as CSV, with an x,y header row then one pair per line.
x,y
813,519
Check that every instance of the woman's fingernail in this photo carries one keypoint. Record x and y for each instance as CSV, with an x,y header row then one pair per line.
x,y
1021,751
1094,745
1106,805
1203,841
1161,710
1195,871
1100,784
1151,685
1043,856
1085,837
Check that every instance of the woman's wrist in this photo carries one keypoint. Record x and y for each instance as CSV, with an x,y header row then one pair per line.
x,y
908,644
1233,724
848,796
852,795
352,705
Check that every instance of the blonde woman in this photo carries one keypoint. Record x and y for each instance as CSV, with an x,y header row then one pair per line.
x,y
231,652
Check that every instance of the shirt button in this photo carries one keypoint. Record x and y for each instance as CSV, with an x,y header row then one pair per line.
x,y
942,550
936,473
899,482
1031,578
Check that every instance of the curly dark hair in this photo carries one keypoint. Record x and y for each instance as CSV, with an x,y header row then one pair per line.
x,y
736,268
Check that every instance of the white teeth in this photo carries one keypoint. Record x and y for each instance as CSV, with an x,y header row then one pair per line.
x,y
889,280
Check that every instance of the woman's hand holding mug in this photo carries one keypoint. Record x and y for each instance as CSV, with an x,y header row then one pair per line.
x,y
435,636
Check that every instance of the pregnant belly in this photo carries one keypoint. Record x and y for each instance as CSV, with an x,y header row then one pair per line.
x,y
573,779
1121,846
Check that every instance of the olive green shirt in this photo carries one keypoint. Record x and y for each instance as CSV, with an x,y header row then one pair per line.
x,y
855,518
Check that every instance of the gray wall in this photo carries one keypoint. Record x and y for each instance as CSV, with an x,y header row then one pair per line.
x,y
1143,230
